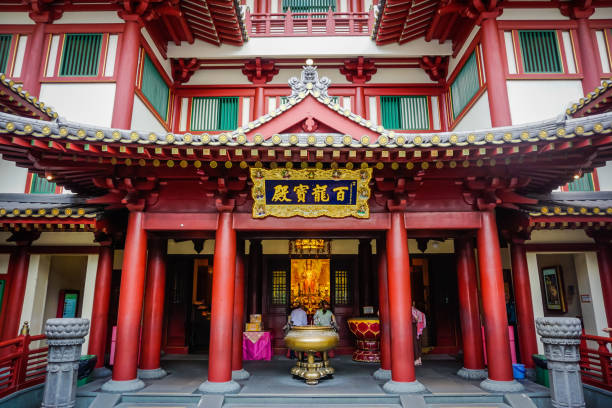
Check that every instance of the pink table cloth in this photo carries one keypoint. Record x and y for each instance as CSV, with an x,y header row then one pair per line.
x,y
256,345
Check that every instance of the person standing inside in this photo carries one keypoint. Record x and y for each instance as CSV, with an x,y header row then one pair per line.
x,y
324,316
418,324
298,316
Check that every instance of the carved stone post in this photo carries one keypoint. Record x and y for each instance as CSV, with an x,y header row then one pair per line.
x,y
65,337
561,338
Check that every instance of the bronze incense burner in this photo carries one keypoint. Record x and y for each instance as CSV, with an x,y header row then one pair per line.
x,y
306,341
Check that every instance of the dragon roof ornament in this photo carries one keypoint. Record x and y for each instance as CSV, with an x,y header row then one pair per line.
x,y
309,82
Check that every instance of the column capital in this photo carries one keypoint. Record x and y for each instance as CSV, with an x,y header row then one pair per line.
x,y
601,237
436,67
225,204
24,238
481,10
42,12
577,9
183,69
103,239
358,70
260,71
136,10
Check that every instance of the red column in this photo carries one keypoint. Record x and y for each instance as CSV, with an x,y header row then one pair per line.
x,y
18,271
99,314
360,101
222,309
494,308
126,71
467,285
130,307
403,378
528,344
497,90
238,373
591,66
153,317
259,103
604,262
365,256
384,373
35,49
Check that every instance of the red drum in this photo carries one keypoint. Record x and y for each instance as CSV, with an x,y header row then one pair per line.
x,y
367,332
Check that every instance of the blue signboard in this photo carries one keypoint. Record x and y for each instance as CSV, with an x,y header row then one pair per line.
x,y
313,192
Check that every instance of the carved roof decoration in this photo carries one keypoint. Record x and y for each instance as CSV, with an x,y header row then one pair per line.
x,y
597,101
14,99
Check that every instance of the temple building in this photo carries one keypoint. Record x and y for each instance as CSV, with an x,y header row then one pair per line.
x,y
171,167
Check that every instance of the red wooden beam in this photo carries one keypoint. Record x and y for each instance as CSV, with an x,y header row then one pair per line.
x,y
376,222
180,221
442,220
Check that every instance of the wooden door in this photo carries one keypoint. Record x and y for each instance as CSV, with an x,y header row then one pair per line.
x,y
277,269
343,295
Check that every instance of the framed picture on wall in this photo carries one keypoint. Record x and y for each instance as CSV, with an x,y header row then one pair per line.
x,y
553,288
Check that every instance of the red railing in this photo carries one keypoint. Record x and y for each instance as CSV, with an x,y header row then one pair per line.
x,y
20,366
308,24
596,363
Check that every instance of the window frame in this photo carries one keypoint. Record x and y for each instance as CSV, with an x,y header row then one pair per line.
x,y
190,113
103,38
520,58
146,50
428,101
31,180
17,32
334,10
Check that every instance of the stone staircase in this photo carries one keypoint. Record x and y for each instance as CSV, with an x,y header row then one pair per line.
x,y
151,400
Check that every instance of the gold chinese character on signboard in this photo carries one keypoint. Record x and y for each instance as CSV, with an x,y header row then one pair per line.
x,y
280,193
340,192
320,193
301,190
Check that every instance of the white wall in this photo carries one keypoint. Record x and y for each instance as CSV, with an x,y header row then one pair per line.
x,y
65,238
559,236
89,17
143,119
478,117
594,312
532,14
85,103
536,100
89,290
536,293
605,177
454,61
35,293
305,47
12,178
15,18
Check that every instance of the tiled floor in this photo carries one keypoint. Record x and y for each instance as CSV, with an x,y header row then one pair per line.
x,y
273,378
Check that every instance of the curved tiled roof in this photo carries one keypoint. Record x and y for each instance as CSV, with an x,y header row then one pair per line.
x,y
597,101
43,206
28,104
561,127
581,203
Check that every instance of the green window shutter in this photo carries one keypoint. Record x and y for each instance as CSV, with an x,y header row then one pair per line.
x,y
214,113
540,51
154,88
309,6
465,85
81,55
404,112
5,48
40,185
584,183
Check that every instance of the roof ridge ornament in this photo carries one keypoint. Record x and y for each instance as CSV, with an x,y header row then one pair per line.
x,y
309,82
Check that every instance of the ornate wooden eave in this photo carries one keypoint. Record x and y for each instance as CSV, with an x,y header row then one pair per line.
x,y
310,129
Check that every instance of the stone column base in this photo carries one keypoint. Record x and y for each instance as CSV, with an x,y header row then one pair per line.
x,y
101,372
530,373
397,387
501,386
382,374
240,375
123,386
472,374
228,387
152,374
